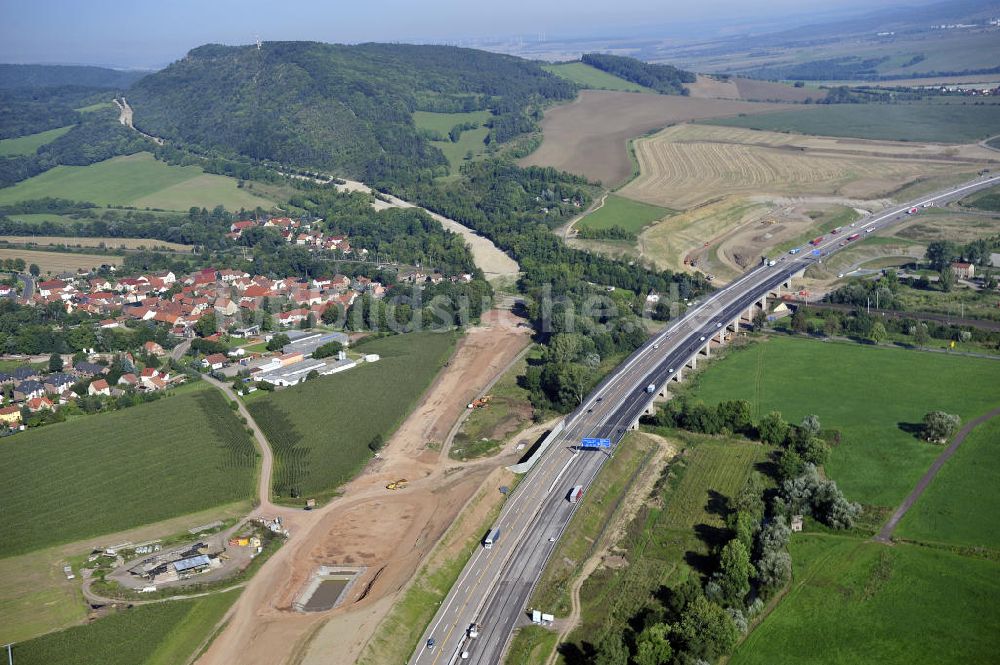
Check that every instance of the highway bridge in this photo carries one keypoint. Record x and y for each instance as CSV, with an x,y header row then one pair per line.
x,y
494,588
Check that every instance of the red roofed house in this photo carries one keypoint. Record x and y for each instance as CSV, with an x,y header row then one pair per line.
x,y
214,361
153,348
39,404
99,387
963,270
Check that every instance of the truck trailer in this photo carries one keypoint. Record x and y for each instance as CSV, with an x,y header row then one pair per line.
x,y
492,537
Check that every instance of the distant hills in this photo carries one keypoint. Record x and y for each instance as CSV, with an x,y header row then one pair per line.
x,y
343,108
51,76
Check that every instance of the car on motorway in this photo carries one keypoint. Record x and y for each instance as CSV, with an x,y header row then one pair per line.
x,y
718,324
701,339
795,250
431,643
670,371
656,346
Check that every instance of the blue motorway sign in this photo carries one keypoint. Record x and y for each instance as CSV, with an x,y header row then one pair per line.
x,y
595,443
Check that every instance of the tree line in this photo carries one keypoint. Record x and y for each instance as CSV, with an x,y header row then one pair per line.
x,y
665,79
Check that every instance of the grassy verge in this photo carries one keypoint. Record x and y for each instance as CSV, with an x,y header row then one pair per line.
x,y
104,473
320,429
601,500
161,634
670,537
827,221
397,635
531,645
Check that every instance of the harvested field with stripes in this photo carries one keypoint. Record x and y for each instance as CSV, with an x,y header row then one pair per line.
x,y
589,136
688,165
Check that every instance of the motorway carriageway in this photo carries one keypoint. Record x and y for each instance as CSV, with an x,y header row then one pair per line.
x,y
495,585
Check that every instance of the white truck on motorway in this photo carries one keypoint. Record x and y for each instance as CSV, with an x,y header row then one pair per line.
x,y
651,388
575,494
492,537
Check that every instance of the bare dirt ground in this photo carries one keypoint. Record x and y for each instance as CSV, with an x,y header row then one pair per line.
x,y
709,87
493,261
589,135
389,533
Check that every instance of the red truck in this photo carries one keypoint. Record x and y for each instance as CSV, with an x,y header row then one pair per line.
x,y
853,236
816,241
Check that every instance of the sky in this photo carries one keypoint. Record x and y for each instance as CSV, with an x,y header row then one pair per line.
x,y
144,34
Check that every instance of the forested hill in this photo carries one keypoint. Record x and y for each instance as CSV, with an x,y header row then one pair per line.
x,y
49,76
665,79
343,108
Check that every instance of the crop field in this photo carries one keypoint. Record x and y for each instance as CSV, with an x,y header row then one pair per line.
x,y
104,473
960,506
136,180
671,536
687,165
320,429
589,136
27,145
944,123
862,602
586,76
872,395
56,262
618,211
102,243
160,634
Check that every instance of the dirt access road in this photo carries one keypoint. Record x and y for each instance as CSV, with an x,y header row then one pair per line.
x,y
885,534
388,533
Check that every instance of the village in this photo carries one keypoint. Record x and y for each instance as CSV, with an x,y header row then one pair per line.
x,y
225,322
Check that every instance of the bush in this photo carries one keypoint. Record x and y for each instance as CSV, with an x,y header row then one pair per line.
x,y
939,426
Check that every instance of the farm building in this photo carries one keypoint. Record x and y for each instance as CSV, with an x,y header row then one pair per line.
x,y
963,270
293,374
306,344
